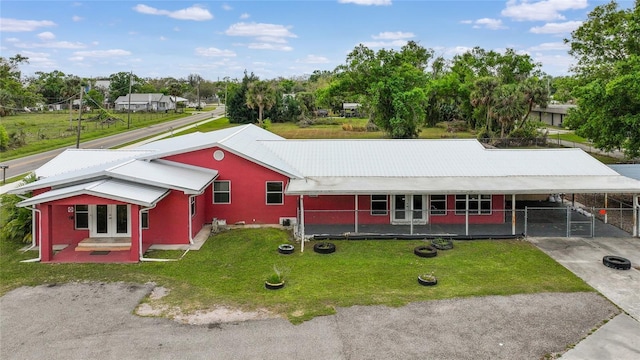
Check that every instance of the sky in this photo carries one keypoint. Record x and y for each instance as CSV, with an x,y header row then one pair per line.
x,y
218,39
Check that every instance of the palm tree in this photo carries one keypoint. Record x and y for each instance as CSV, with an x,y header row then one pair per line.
x,y
260,94
483,95
508,107
534,94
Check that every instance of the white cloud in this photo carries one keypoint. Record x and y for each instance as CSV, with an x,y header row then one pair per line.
x,y
366,2
313,59
77,18
15,25
214,52
269,46
162,38
554,65
12,39
259,29
39,59
177,29
393,35
226,7
265,36
380,44
549,46
556,28
245,16
195,13
487,23
466,22
545,10
47,35
103,53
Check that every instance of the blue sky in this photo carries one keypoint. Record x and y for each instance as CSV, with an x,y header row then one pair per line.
x,y
273,38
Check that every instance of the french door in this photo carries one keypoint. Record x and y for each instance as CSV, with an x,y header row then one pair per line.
x,y
109,220
407,208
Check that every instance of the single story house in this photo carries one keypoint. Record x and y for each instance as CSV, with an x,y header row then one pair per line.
x,y
145,102
553,114
165,192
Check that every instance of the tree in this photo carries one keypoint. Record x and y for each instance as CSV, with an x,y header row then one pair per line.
x,y
535,93
94,98
120,82
261,95
15,222
13,94
195,80
509,105
607,47
237,109
483,97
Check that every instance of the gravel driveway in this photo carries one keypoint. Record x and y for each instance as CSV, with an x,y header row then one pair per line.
x,y
96,321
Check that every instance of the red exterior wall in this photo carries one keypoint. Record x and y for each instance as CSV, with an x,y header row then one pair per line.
x,y
339,209
169,221
333,209
248,188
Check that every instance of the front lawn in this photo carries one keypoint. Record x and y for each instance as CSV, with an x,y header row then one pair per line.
x,y
231,267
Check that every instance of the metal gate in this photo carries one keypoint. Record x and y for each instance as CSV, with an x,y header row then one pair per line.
x,y
568,221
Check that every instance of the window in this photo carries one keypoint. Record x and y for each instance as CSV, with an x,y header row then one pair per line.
x,y
193,205
145,219
81,216
274,193
438,204
222,192
379,205
478,204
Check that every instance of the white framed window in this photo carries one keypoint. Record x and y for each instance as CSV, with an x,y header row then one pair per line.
x,y
192,205
222,192
379,205
81,217
144,221
478,204
438,204
275,193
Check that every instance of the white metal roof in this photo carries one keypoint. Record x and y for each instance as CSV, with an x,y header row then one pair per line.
x,y
72,160
429,158
189,179
139,194
245,141
628,170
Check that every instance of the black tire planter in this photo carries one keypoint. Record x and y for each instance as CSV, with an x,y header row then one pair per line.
x,y
427,282
425,251
286,249
442,244
324,248
616,262
271,286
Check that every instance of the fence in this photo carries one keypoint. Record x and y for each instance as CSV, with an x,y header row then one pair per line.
x,y
555,220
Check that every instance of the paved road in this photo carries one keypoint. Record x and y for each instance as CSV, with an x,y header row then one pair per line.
x,y
30,163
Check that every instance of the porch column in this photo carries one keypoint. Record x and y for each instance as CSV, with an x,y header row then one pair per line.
x,y
513,214
135,252
636,222
411,216
356,214
466,215
301,223
46,236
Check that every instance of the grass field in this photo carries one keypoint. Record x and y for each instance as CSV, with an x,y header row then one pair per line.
x,y
231,267
52,130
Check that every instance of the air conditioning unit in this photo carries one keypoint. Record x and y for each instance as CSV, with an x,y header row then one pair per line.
x,y
287,221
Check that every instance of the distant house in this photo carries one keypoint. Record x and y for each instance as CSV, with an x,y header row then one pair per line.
x,y
553,114
350,109
145,102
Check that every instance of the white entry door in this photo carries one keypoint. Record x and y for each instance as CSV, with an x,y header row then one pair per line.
x,y
402,209
109,221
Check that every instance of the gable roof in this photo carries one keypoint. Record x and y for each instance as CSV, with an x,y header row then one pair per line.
x,y
143,98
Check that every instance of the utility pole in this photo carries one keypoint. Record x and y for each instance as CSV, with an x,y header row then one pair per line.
x,y
79,118
129,105
226,85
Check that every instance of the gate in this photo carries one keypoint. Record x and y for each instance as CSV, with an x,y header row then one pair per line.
x,y
567,221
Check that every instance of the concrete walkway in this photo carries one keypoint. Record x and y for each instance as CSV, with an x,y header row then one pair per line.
x,y
619,338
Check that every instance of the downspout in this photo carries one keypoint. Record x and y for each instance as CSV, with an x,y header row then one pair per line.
x,y
142,258
191,219
33,237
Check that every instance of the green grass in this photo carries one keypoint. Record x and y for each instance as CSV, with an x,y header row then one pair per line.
x,y
571,137
51,130
231,267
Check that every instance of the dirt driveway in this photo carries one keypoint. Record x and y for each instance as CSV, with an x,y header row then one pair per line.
x,y
96,321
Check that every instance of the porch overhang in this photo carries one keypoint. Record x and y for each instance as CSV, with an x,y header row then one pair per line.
x,y
462,185
126,192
